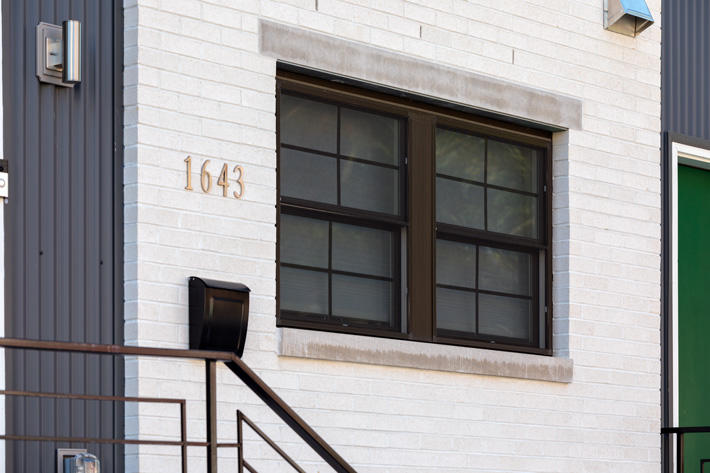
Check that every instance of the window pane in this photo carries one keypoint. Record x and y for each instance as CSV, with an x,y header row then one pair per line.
x,y
460,155
362,250
369,136
512,166
512,213
459,203
308,123
309,176
504,271
455,264
362,298
455,310
303,241
368,187
303,291
504,316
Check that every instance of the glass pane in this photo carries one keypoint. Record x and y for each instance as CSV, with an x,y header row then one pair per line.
x,y
504,316
460,155
459,203
308,123
303,241
368,187
369,136
512,166
309,176
504,271
362,250
362,298
455,310
303,291
512,213
455,264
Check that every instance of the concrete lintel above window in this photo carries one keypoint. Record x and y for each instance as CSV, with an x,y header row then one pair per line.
x,y
489,95
428,356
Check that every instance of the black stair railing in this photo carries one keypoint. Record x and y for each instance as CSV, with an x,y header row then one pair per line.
x,y
234,363
680,433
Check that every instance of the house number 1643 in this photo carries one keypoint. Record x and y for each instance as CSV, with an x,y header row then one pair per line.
x,y
222,180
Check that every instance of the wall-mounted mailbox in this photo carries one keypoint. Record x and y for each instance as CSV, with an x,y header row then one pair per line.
x,y
219,313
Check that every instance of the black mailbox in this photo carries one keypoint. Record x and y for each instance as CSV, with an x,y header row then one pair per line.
x,y
219,313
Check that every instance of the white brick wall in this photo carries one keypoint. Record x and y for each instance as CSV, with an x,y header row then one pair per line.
x,y
195,84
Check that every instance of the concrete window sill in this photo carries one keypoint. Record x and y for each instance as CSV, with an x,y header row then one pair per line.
x,y
428,356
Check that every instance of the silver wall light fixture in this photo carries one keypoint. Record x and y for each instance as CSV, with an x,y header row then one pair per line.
x,y
59,53
627,17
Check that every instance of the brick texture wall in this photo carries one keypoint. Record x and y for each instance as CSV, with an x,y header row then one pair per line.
x,y
196,84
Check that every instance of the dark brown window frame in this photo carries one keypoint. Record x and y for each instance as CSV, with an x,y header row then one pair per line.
x,y
417,195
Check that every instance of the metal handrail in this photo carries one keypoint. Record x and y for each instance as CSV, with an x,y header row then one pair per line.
x,y
241,418
233,362
680,433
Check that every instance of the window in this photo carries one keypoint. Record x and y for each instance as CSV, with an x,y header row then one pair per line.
x,y
402,219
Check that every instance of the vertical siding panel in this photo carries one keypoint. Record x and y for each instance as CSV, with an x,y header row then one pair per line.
x,y
44,190
686,68
61,221
32,233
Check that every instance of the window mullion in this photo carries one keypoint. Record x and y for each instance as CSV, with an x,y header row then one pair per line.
x,y
421,234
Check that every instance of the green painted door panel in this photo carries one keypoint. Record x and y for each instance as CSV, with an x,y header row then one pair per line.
x,y
694,310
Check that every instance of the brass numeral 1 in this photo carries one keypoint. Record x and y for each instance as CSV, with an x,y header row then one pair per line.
x,y
188,161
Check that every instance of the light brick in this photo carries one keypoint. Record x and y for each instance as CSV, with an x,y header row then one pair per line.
x,y
195,83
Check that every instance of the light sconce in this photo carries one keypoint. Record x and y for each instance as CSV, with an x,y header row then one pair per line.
x,y
627,17
59,53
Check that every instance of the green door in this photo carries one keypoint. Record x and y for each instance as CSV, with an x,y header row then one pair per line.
x,y
694,311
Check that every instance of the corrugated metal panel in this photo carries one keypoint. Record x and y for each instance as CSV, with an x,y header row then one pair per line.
x,y
62,231
686,67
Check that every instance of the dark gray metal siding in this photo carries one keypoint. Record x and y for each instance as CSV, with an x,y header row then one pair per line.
x,y
685,118
63,229
686,68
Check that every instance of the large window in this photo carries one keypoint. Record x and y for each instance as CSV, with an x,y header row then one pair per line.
x,y
407,220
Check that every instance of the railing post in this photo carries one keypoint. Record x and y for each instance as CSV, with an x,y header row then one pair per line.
x,y
240,440
211,402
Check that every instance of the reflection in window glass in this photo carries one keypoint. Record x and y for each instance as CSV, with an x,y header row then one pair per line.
x,y
512,213
460,155
459,203
512,166
504,270
369,136
308,123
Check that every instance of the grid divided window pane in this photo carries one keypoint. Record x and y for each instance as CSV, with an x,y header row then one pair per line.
x,y
485,184
335,271
340,156
483,291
